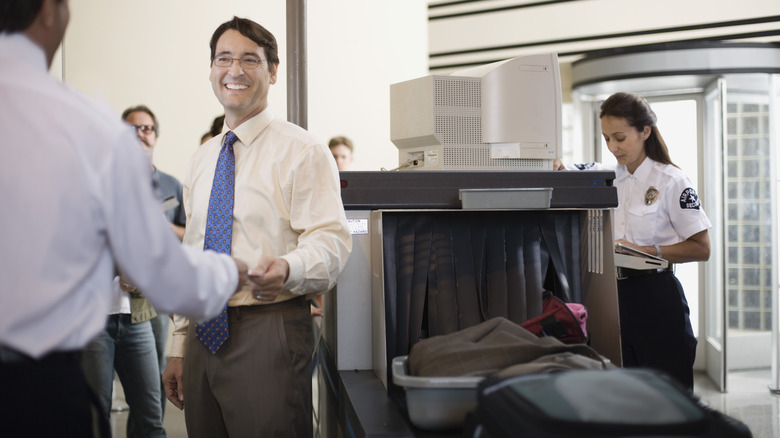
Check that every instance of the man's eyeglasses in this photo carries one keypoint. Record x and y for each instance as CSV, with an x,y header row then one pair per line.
x,y
247,62
144,128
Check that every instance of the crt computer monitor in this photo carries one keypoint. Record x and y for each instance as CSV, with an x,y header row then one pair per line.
x,y
500,116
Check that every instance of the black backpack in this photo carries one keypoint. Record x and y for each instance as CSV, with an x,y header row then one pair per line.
x,y
589,404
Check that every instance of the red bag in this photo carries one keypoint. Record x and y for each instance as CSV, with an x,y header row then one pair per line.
x,y
565,321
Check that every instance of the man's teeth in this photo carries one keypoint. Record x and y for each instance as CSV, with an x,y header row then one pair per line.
x,y
236,87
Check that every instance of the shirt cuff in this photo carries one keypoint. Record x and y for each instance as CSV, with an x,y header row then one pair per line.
x,y
295,276
177,346
179,335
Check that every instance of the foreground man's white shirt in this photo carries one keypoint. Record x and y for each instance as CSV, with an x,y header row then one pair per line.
x,y
76,198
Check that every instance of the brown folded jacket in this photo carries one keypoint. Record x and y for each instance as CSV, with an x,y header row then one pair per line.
x,y
498,346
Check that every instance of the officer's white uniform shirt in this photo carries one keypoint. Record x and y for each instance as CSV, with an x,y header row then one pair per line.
x,y
657,205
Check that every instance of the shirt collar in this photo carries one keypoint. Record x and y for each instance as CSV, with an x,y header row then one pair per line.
x,y
641,173
248,131
23,50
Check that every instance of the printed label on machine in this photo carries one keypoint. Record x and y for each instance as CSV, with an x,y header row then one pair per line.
x,y
357,226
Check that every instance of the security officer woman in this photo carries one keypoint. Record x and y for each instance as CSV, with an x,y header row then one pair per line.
x,y
658,213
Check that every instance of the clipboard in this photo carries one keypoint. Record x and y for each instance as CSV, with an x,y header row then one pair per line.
x,y
626,257
169,203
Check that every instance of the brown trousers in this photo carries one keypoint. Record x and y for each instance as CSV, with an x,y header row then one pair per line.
x,y
259,382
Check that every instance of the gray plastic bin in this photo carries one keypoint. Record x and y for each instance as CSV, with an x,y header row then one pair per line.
x,y
436,403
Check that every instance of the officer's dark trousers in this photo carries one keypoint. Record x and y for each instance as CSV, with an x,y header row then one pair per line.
x,y
655,325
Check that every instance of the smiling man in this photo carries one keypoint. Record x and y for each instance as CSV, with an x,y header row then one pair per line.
x,y
267,190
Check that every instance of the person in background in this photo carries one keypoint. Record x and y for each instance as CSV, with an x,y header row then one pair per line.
x,y
342,149
77,204
658,213
169,192
125,337
248,372
133,343
215,130
168,188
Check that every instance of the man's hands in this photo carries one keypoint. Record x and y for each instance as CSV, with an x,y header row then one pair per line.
x,y
268,277
265,280
178,231
126,285
172,381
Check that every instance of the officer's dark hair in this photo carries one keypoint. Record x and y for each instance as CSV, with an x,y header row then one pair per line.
x,y
18,15
255,32
143,109
637,113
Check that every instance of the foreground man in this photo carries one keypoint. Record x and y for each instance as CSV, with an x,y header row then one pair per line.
x,y
249,374
77,201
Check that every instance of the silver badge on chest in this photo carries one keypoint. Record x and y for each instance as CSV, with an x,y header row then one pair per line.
x,y
651,195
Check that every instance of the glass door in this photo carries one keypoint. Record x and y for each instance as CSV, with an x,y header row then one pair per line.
x,y
714,340
774,103
749,241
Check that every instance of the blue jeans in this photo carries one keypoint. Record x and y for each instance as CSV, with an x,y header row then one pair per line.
x,y
130,349
160,325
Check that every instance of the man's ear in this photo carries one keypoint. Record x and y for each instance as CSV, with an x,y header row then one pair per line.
x,y
273,72
48,27
48,15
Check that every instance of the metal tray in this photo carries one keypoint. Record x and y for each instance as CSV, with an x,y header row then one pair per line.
x,y
524,198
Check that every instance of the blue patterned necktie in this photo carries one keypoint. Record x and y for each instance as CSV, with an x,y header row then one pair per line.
x,y
219,231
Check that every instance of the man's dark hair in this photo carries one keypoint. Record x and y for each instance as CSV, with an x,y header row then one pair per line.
x,y
18,15
255,32
143,109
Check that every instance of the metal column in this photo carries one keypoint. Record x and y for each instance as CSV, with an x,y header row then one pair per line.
x,y
297,91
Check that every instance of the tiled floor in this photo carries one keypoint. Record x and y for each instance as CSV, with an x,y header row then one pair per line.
x,y
748,400
173,422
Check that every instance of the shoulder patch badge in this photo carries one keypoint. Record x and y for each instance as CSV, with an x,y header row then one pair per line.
x,y
689,200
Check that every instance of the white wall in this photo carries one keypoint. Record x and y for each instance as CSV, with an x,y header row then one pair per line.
x,y
357,48
156,53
